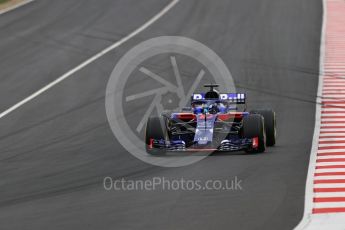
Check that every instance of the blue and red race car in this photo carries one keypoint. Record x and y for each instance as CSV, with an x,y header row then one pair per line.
x,y
212,123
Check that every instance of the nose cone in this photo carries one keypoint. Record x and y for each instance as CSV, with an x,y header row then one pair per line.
x,y
204,129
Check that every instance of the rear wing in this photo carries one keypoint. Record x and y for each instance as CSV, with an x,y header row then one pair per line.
x,y
234,98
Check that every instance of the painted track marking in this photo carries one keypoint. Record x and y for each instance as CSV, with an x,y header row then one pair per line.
x,y
92,59
332,151
325,188
23,3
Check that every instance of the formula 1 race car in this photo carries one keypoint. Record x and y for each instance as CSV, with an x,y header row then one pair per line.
x,y
212,123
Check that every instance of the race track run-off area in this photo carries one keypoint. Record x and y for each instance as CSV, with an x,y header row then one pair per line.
x,y
325,198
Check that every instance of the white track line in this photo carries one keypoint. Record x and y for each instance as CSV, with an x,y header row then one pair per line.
x,y
333,139
326,170
326,135
329,177
330,185
330,125
330,194
329,205
330,129
15,6
335,109
328,144
331,157
91,60
331,151
309,192
328,163
332,145
334,119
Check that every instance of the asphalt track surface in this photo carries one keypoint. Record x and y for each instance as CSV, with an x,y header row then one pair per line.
x,y
56,150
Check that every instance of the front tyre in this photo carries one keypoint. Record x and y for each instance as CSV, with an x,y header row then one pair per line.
x,y
253,127
155,129
270,125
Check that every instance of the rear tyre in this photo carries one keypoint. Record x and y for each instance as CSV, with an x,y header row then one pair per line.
x,y
270,125
155,129
253,127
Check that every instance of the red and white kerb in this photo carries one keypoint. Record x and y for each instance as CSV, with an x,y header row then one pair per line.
x,y
329,177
